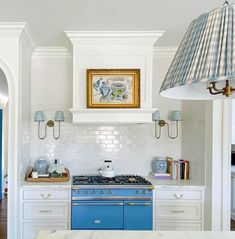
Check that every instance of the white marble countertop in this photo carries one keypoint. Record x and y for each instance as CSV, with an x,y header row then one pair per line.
x,y
134,235
26,184
174,184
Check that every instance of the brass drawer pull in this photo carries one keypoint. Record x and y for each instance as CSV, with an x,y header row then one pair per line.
x,y
45,196
45,211
139,204
177,211
178,196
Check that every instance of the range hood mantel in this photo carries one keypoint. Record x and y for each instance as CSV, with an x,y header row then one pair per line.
x,y
112,50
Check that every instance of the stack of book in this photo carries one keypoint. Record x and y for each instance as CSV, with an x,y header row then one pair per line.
x,y
161,175
178,169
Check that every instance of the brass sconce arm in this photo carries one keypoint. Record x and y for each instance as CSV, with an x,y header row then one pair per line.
x,y
159,123
56,137
45,131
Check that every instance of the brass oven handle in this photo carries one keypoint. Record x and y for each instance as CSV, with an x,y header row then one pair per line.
x,y
177,211
45,196
138,204
178,197
45,211
98,204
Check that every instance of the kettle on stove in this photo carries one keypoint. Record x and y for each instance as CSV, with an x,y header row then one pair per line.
x,y
107,169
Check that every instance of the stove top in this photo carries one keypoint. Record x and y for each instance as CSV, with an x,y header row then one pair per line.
x,y
127,180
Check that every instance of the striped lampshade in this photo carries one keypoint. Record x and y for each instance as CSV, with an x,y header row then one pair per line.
x,y
206,54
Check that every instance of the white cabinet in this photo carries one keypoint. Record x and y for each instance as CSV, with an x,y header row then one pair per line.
x,y
44,209
179,209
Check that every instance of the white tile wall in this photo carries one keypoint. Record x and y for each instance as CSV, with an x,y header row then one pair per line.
x,y
83,147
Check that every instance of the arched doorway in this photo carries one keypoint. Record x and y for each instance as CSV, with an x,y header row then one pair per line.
x,y
3,153
12,199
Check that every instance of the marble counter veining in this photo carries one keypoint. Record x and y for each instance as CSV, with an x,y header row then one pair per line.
x,y
134,235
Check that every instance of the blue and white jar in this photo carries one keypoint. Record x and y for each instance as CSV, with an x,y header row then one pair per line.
x,y
159,165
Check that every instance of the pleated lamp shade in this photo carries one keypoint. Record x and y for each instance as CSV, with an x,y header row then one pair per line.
x,y
206,54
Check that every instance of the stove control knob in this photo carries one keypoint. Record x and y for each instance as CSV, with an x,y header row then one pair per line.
x,y
94,192
110,192
138,192
102,192
144,192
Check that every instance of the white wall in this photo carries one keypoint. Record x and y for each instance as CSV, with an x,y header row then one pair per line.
x,y
83,147
193,134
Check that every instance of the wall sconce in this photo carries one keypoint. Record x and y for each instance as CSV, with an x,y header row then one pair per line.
x,y
159,123
39,117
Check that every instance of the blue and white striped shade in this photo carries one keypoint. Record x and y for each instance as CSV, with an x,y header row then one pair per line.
x,y
156,116
39,116
59,116
206,54
176,116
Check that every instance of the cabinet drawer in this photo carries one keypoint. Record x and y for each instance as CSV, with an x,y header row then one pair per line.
x,y
30,230
178,226
45,211
46,194
178,195
180,211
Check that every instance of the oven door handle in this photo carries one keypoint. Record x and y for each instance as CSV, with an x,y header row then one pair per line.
x,y
139,204
98,204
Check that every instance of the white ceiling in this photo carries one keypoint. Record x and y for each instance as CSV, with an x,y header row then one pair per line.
x,y
49,18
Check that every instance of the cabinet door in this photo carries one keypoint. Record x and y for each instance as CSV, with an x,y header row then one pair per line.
x,y
138,215
97,215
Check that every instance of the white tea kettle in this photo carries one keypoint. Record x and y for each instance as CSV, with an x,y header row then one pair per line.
x,y
107,169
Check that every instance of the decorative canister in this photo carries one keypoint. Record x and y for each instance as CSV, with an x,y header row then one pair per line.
x,y
159,165
41,165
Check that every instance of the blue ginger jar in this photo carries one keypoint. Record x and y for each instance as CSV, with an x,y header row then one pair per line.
x,y
159,165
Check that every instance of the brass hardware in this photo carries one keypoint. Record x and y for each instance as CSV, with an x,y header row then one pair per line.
x,y
139,204
177,211
50,123
162,123
178,197
227,90
226,2
45,196
45,211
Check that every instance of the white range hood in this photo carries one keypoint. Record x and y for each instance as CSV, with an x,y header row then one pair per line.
x,y
112,50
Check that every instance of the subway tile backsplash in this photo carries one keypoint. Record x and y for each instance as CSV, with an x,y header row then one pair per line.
x,y
82,148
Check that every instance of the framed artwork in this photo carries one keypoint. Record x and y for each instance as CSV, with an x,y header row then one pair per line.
x,y
113,88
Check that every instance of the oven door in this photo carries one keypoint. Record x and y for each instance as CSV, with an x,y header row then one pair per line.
x,y
97,215
138,215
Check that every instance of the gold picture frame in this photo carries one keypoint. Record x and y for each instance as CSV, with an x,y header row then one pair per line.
x,y
113,88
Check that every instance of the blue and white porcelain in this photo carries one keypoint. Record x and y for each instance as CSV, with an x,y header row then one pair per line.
x,y
41,165
159,165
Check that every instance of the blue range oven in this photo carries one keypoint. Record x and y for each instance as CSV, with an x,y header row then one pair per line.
x,y
112,208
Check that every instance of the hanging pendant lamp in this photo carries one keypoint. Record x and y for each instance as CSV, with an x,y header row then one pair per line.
x,y
204,65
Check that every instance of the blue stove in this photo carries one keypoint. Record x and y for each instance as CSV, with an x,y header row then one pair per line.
x,y
123,203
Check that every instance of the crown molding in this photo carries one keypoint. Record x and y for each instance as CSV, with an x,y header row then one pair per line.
x,y
17,30
51,52
168,51
114,37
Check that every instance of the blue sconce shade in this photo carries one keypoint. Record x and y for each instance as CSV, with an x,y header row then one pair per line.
x,y
39,116
156,116
176,116
59,116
